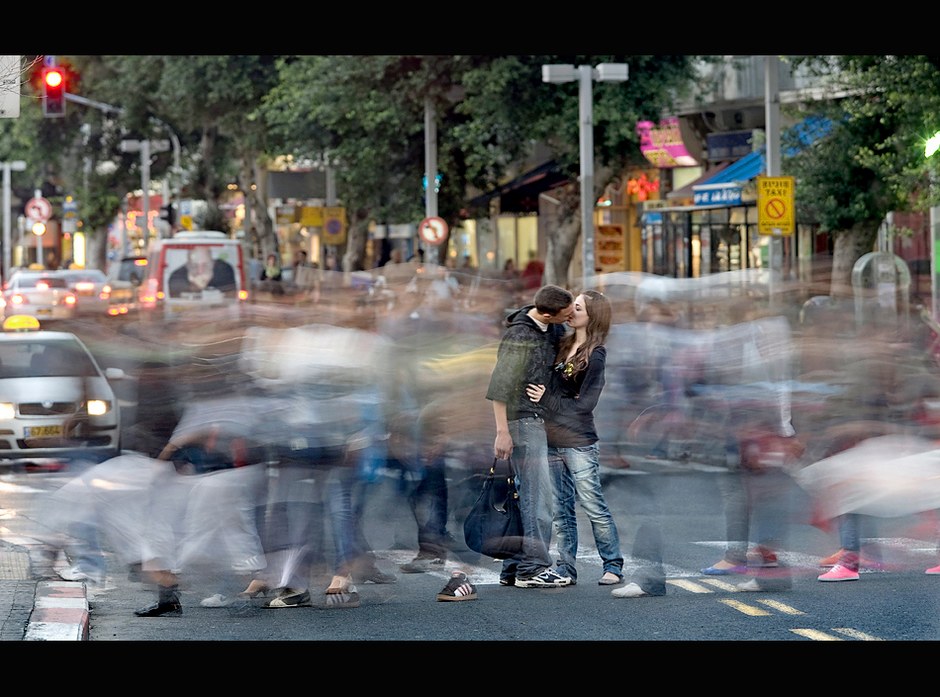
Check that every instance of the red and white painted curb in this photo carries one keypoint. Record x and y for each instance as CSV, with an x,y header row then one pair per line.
x,y
60,612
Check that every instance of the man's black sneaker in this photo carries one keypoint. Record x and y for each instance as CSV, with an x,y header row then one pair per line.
x,y
458,588
548,578
507,580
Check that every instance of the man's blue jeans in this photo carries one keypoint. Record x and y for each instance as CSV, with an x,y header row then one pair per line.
x,y
575,474
534,484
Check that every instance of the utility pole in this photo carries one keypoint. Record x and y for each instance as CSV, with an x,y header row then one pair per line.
x,y
772,155
174,139
15,166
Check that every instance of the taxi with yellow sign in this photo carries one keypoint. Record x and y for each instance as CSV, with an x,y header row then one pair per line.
x,y
55,401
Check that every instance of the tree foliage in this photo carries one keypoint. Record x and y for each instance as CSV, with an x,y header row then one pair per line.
x,y
365,115
882,109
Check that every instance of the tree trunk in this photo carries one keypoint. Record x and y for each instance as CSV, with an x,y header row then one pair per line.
x,y
562,207
849,246
261,234
559,212
356,236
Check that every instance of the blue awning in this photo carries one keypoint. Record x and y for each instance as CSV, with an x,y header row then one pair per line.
x,y
725,187
743,170
805,133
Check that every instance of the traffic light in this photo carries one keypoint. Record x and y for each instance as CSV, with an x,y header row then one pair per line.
x,y
53,92
168,214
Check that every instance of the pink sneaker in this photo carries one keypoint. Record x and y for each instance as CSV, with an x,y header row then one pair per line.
x,y
838,573
933,570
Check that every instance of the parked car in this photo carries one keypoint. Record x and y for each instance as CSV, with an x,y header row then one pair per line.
x,y
40,294
91,287
126,277
55,401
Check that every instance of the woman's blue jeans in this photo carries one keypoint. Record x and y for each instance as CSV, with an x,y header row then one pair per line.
x,y
575,474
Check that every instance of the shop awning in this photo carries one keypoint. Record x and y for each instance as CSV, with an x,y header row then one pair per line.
x,y
724,187
741,170
521,194
686,191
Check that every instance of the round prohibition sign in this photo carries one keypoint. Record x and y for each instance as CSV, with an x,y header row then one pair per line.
x,y
433,230
775,208
38,209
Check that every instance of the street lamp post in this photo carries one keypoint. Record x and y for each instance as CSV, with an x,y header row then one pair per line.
x,y
144,147
931,147
585,75
16,166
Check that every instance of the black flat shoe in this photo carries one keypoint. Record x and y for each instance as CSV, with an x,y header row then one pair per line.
x,y
169,608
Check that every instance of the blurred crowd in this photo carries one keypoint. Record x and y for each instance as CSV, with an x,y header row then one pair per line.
x,y
249,463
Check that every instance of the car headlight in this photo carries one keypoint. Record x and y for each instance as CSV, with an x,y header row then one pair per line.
x,y
7,410
98,407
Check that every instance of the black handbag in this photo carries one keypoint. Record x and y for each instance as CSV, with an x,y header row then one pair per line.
x,y
493,526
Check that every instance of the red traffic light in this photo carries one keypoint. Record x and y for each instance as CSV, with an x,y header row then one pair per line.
x,y
53,77
53,92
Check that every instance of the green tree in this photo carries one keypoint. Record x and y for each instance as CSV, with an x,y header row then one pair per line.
x,y
211,103
882,109
367,114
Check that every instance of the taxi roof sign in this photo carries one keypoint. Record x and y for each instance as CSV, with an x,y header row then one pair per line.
x,y
20,323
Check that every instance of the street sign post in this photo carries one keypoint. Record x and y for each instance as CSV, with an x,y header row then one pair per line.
x,y
775,206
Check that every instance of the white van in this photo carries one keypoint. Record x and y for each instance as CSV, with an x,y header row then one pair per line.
x,y
194,269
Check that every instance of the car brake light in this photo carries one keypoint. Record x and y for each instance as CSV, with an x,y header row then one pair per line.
x,y
69,299
42,285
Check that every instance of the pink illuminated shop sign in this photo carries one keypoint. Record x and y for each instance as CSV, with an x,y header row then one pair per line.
x,y
662,144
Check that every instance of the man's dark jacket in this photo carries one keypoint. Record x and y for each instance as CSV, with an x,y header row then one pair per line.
x,y
525,355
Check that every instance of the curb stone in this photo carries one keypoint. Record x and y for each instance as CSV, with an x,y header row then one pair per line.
x,y
60,612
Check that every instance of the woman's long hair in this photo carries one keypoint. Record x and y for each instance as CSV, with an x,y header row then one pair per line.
x,y
598,311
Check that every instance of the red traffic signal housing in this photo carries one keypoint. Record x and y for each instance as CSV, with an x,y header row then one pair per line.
x,y
53,91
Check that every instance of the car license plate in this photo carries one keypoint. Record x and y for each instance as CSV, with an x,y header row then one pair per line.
x,y
43,310
42,431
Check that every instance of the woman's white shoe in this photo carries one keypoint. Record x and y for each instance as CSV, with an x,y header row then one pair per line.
x,y
631,590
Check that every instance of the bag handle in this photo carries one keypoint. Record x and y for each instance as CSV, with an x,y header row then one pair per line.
x,y
512,472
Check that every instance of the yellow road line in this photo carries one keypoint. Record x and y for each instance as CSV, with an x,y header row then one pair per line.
x,y
690,586
855,634
718,583
815,635
745,608
782,607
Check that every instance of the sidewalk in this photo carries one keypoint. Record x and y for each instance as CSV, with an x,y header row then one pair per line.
x,y
35,605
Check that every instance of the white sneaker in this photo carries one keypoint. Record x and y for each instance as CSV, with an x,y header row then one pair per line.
x,y
631,590
217,600
73,573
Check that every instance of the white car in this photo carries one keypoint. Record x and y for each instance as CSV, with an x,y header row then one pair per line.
x,y
91,287
125,278
55,401
40,294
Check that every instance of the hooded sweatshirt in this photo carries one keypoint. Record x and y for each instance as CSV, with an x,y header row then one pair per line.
x,y
525,355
